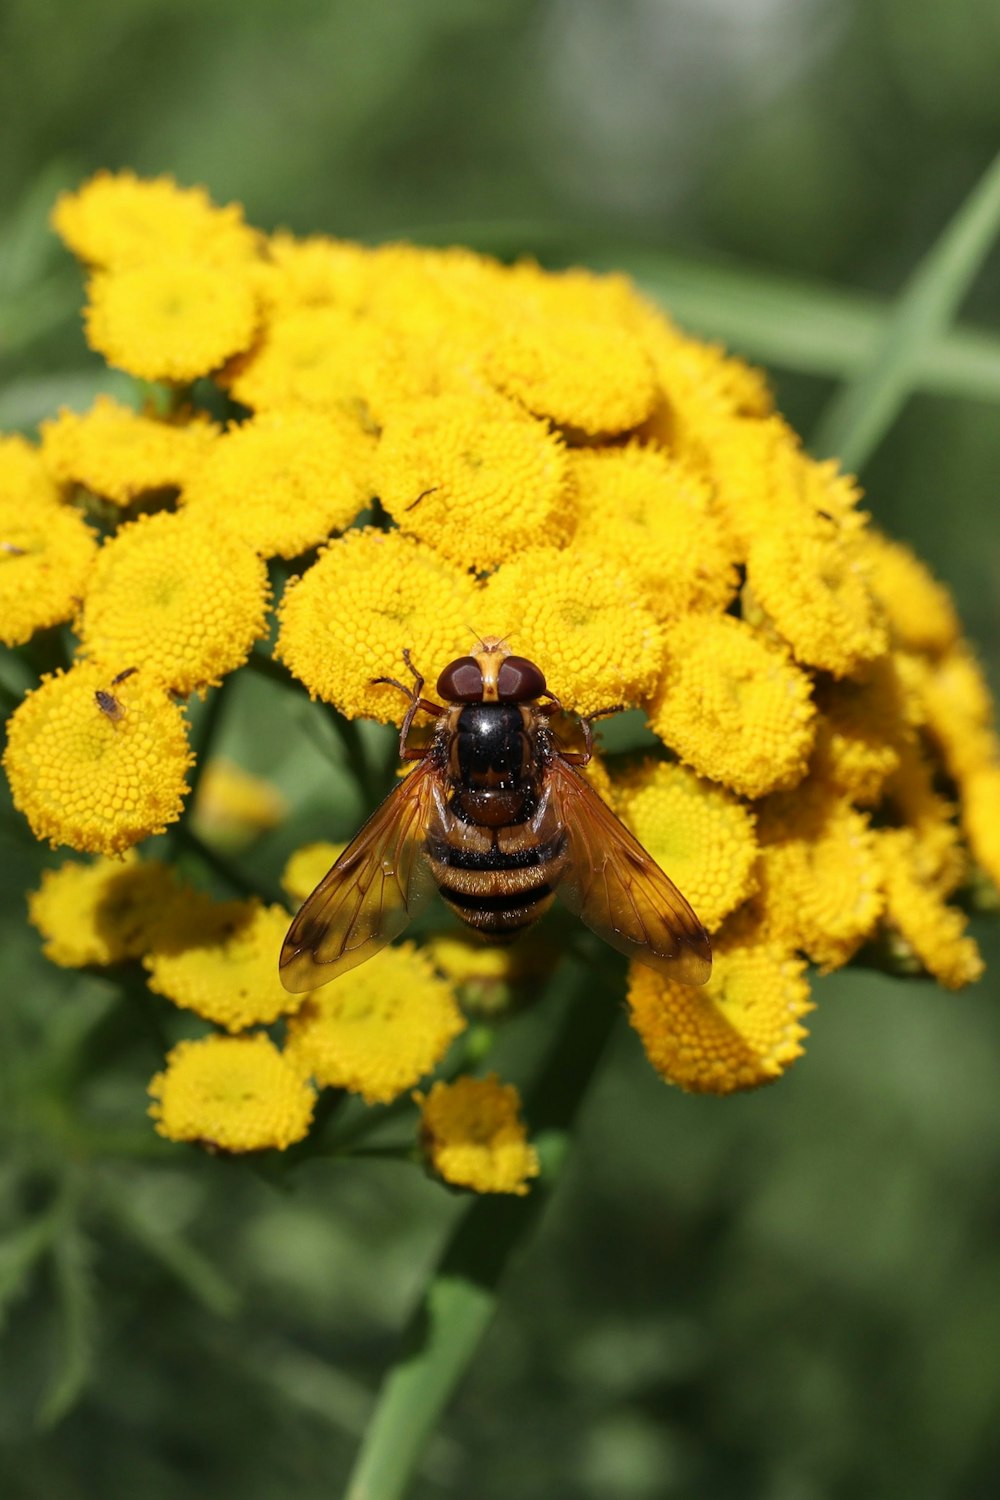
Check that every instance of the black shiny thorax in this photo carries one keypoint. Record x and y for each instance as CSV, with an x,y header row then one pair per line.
x,y
491,748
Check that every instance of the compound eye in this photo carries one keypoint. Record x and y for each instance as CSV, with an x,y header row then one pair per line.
x,y
519,680
461,681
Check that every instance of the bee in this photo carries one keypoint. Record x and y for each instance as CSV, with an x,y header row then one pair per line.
x,y
497,817
110,704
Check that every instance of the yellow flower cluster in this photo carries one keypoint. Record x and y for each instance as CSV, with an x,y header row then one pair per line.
x,y
445,447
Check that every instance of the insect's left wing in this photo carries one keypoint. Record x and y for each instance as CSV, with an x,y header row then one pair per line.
x,y
619,890
370,894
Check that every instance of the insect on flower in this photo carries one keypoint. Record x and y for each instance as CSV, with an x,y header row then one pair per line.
x,y
496,817
109,703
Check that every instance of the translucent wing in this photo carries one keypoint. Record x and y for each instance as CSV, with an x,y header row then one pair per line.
x,y
618,889
376,887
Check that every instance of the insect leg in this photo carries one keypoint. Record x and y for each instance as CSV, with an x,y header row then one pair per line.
x,y
581,757
416,703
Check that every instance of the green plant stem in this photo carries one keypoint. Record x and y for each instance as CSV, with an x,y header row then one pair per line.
x,y
861,412
228,873
461,1299
206,732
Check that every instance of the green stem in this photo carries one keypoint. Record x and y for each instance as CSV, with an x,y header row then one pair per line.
x,y
461,1299
228,873
206,731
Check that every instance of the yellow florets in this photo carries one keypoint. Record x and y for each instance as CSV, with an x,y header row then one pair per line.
x,y
170,320
229,972
232,1094
101,913
46,557
25,480
741,1029
473,1136
699,834
734,705
119,220
285,480
371,596
233,806
474,477
920,612
97,773
581,615
378,1029
119,454
919,915
179,599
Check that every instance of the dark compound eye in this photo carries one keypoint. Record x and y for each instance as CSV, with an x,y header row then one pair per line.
x,y
519,680
461,681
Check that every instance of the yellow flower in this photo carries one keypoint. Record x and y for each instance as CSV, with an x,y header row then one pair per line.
x,y
117,453
928,927
473,1136
652,512
912,800
315,272
920,612
981,817
819,874
699,834
471,961
117,219
474,477
171,320
377,1029
862,727
231,1093
306,868
233,806
176,598
734,706
959,711
46,557
352,614
96,773
284,481
812,586
25,481
580,617
228,974
100,913
741,1029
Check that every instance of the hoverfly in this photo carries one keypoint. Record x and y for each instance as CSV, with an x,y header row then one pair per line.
x,y
498,819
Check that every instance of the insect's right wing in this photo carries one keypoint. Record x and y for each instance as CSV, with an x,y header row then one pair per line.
x,y
370,894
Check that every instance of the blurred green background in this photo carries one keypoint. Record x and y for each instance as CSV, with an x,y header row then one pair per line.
x,y
792,1295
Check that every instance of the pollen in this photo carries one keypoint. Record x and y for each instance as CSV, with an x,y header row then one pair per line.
x,y
100,913
94,781
47,554
475,478
741,1029
284,480
379,1029
229,973
349,618
581,614
473,1136
181,600
699,834
734,705
118,219
170,320
232,1094
119,454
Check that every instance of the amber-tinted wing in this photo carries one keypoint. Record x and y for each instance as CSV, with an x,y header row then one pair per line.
x,y
376,887
618,889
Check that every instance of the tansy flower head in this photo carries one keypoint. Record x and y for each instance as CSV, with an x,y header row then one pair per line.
x,y
378,1029
861,730
46,557
959,711
653,513
734,705
475,477
493,980
306,868
97,772
228,974
25,481
119,454
100,913
118,219
170,320
473,1136
370,596
741,1029
177,598
233,806
231,1093
285,480
919,916
314,272
919,609
981,817
580,616
698,833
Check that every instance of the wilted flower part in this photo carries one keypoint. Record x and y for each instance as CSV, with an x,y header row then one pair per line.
x,y
473,1136
46,556
103,912
231,1094
96,773
120,454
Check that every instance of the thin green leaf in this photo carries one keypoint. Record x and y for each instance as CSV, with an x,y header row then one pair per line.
x,y
861,413
194,1272
71,1260
19,1253
461,1299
